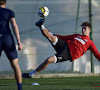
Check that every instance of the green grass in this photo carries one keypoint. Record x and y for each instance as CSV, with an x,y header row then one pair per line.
x,y
60,83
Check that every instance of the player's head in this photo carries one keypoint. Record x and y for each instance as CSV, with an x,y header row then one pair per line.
x,y
86,28
2,2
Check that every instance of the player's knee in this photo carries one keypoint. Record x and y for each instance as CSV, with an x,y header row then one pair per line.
x,y
50,60
14,63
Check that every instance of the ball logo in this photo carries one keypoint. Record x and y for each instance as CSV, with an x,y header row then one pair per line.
x,y
59,58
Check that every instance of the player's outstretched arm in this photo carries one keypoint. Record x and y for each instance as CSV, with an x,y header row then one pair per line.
x,y
94,50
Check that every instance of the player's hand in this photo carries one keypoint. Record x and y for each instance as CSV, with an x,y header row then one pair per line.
x,y
20,46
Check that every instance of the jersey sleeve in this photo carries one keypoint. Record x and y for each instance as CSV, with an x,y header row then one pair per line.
x,y
94,50
11,14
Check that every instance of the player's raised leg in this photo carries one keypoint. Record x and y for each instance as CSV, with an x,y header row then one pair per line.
x,y
17,72
44,31
42,66
53,39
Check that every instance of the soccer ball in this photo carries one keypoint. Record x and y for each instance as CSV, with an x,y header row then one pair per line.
x,y
43,11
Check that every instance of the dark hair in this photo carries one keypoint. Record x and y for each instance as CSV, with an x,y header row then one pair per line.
x,y
2,2
86,24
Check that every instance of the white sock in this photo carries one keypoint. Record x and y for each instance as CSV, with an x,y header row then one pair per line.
x,y
42,27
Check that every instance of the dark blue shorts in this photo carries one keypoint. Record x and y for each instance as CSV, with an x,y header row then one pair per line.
x,y
7,44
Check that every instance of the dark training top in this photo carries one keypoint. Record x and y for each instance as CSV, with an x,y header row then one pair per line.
x,y
5,16
7,43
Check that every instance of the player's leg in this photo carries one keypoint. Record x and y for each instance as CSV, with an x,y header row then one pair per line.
x,y
45,32
0,46
45,63
11,52
42,66
17,72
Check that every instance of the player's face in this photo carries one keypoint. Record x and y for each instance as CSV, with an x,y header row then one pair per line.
x,y
85,30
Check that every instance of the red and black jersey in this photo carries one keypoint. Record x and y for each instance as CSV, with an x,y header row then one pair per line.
x,y
79,44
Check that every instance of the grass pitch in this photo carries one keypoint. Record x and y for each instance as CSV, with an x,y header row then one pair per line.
x,y
59,83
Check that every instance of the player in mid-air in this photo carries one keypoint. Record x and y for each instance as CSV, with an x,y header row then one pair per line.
x,y
68,47
7,42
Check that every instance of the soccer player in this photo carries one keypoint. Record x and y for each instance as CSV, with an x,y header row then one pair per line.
x,y
68,47
7,42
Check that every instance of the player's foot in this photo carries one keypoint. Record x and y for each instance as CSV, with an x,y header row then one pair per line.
x,y
40,22
27,75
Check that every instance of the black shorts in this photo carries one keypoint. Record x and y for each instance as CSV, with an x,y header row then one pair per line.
x,y
63,52
8,46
